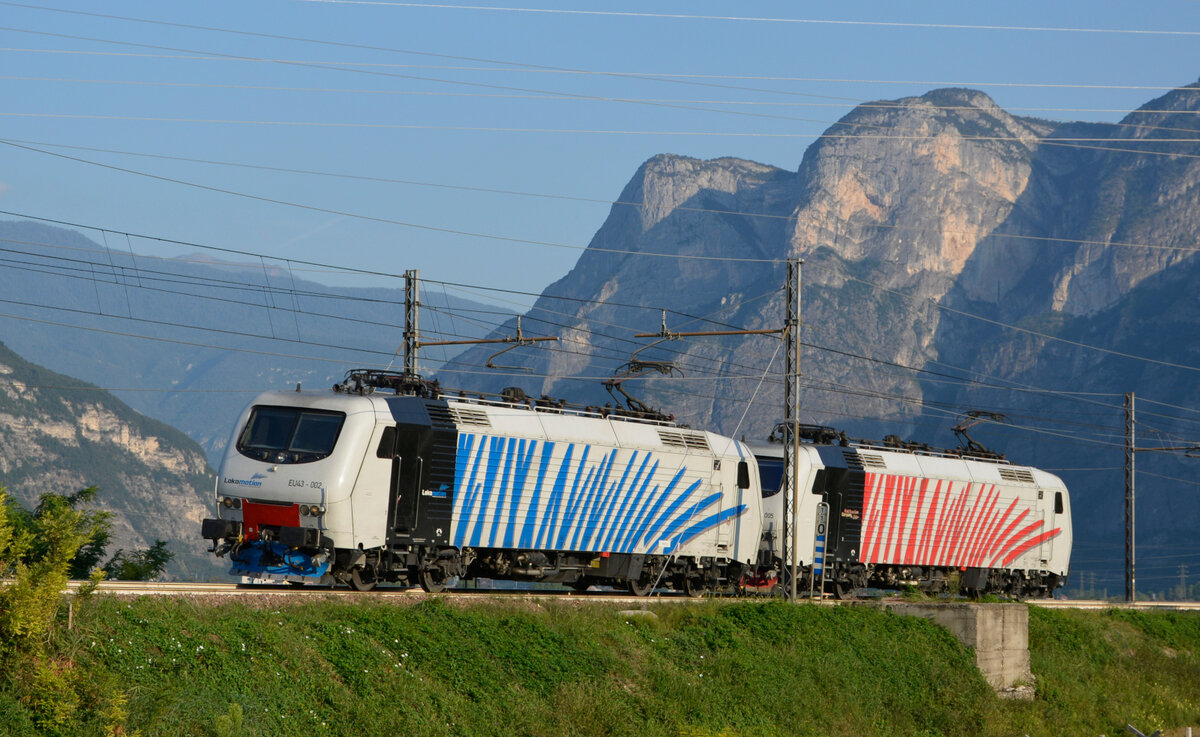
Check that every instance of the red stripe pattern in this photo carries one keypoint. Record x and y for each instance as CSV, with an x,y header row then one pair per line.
x,y
914,521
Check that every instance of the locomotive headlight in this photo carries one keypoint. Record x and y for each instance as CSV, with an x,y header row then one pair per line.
x,y
227,502
303,510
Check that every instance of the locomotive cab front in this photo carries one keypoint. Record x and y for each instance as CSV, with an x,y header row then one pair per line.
x,y
284,486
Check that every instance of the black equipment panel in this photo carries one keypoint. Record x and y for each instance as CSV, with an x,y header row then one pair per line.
x,y
423,450
843,490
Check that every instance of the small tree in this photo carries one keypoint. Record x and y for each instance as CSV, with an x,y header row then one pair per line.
x,y
36,552
140,565
137,565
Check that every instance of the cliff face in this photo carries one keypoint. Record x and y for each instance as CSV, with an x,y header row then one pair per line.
x,y
699,214
915,185
58,435
908,213
887,211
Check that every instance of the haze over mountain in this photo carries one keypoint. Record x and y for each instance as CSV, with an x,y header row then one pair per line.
x,y
219,332
925,225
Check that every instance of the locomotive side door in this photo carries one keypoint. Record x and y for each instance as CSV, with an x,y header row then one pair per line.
x,y
407,465
724,531
1057,520
421,482
842,490
369,500
1045,548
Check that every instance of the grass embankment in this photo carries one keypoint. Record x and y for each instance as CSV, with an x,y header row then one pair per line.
x,y
472,667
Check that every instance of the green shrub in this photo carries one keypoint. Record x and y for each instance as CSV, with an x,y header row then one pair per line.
x,y
36,554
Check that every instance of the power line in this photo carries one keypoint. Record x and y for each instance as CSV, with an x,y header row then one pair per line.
x,y
173,341
173,277
124,280
356,68
833,388
1063,141
1172,406
446,283
547,68
388,221
91,275
550,69
591,200
520,65
559,96
810,345
1027,331
439,229
1191,482
256,255
761,19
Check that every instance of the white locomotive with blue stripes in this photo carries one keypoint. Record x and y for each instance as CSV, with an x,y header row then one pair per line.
x,y
387,479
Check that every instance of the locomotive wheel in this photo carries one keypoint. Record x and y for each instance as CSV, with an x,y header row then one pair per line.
x,y
694,586
842,589
640,587
433,580
581,584
361,579
782,585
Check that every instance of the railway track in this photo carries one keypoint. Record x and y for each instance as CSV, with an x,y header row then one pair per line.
x,y
152,588
144,588
1097,604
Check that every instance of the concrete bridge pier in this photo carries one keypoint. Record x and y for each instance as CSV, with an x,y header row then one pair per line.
x,y
998,633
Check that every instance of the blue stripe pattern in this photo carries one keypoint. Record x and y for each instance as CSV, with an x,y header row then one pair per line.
x,y
617,531
643,518
537,494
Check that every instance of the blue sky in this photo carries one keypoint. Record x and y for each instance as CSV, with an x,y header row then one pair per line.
x,y
453,100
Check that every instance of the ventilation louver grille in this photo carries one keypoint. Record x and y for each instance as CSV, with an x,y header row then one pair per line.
x,y
859,460
1016,474
465,416
439,413
684,440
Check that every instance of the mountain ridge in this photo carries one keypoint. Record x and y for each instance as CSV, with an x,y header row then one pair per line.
x,y
915,218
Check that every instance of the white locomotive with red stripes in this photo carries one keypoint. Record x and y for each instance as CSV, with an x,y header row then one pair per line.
x,y
896,517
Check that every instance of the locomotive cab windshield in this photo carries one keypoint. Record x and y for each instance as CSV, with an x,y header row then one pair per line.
x,y
290,434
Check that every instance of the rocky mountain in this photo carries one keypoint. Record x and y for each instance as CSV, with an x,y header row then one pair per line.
x,y
59,434
926,225
215,334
